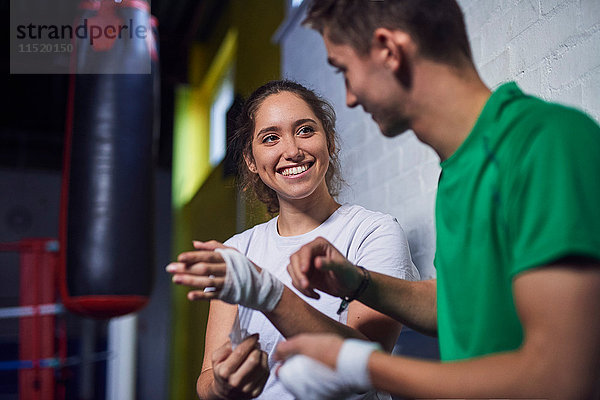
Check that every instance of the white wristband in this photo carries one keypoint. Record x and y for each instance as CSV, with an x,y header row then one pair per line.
x,y
352,363
245,286
307,378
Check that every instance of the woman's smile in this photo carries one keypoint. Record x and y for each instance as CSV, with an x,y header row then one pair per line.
x,y
295,171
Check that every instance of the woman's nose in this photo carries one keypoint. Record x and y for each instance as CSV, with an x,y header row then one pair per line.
x,y
292,150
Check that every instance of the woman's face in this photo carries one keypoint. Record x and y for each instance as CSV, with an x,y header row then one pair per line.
x,y
289,147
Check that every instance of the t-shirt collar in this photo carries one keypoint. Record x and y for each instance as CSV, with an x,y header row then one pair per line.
x,y
488,115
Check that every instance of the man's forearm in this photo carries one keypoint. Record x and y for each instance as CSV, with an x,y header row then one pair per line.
x,y
558,308
505,375
411,303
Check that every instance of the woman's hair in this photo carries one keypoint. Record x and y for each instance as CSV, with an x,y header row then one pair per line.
x,y
241,142
437,26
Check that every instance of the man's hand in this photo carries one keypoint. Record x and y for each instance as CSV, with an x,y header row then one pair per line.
x,y
319,265
241,373
321,347
325,367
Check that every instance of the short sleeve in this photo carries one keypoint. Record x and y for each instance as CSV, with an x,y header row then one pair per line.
x,y
240,242
554,198
384,249
232,242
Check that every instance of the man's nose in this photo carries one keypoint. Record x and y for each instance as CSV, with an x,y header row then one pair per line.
x,y
351,100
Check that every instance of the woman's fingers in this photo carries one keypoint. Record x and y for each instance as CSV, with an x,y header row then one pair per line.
x,y
258,377
210,245
221,353
208,278
226,368
243,372
207,256
194,295
251,372
199,282
199,268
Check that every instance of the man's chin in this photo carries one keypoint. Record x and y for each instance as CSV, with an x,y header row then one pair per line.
x,y
392,130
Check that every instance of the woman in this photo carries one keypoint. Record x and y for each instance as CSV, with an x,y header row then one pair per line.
x,y
288,157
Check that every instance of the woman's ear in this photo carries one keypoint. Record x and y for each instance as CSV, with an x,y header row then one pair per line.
x,y
250,163
332,147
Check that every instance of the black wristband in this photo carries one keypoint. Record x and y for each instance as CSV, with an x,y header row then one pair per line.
x,y
358,292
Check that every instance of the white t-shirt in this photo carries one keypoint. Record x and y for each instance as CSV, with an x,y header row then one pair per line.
x,y
370,239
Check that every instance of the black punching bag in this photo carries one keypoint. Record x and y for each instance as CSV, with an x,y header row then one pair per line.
x,y
107,207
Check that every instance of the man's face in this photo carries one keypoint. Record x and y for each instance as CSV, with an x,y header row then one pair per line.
x,y
370,84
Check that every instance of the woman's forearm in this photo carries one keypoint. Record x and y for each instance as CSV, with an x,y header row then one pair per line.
x,y
293,316
204,386
411,303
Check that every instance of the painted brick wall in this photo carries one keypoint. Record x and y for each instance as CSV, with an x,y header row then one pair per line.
x,y
550,47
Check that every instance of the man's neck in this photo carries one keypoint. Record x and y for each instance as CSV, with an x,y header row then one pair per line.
x,y
448,102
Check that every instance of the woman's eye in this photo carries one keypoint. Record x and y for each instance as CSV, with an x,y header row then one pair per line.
x,y
269,138
306,130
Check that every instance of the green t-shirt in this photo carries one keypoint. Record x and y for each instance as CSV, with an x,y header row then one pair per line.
x,y
522,191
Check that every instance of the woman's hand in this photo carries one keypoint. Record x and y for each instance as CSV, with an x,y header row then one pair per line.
x,y
200,269
241,373
218,272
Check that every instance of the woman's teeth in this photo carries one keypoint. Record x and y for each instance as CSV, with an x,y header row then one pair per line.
x,y
294,170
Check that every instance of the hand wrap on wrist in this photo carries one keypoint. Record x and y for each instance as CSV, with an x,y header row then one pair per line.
x,y
307,378
353,363
245,286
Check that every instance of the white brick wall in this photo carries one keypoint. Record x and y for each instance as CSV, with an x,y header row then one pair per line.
x,y
550,47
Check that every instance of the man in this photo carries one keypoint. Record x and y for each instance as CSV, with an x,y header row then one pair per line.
x,y
517,297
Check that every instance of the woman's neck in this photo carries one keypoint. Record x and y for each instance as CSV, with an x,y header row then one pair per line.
x,y
297,217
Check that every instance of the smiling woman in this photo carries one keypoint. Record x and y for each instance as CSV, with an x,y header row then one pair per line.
x,y
313,114
287,152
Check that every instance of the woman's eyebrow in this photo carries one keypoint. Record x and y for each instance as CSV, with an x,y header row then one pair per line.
x,y
304,120
277,129
268,129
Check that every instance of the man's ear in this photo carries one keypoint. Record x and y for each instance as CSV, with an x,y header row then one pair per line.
x,y
390,47
250,163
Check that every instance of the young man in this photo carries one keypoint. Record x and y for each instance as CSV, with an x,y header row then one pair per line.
x,y
517,297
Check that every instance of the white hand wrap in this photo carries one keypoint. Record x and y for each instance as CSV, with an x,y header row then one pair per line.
x,y
245,286
307,378
353,363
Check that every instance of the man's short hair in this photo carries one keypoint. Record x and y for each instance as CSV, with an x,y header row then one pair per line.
x,y
436,26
